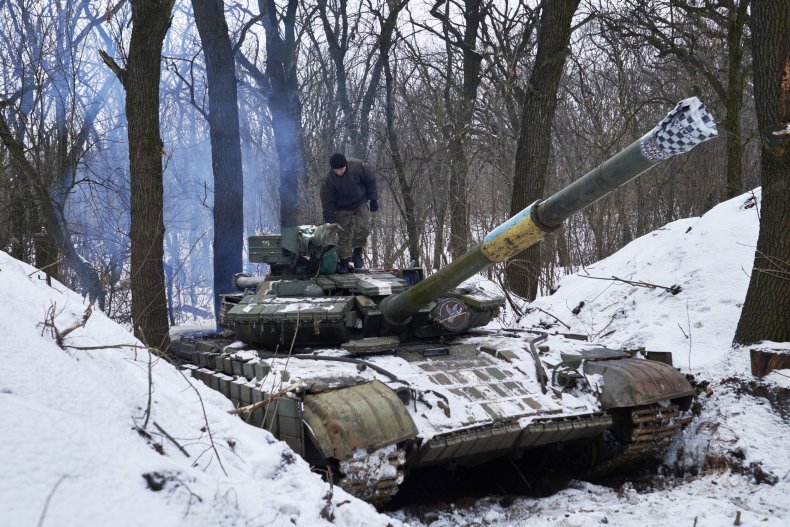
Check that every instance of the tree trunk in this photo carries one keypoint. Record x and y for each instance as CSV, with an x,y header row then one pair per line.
x,y
439,214
764,361
21,207
563,250
225,144
150,22
409,210
733,101
286,108
766,310
534,142
459,200
461,107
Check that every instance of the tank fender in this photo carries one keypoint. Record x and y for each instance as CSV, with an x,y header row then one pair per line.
x,y
368,416
636,382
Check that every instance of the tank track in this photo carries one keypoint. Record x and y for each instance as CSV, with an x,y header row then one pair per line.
x,y
650,431
373,477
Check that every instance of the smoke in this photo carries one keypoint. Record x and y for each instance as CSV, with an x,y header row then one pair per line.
x,y
96,193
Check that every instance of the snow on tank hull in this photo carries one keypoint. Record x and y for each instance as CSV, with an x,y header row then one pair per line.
x,y
373,417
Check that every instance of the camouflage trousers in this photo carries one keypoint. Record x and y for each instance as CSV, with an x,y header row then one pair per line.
x,y
356,227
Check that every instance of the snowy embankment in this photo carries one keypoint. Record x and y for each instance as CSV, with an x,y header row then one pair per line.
x,y
731,466
709,258
83,444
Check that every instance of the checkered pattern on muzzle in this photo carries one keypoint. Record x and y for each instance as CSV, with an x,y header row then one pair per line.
x,y
688,125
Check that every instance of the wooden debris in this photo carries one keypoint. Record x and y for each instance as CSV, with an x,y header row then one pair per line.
x,y
764,361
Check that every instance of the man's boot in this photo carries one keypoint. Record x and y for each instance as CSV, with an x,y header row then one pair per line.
x,y
356,259
342,266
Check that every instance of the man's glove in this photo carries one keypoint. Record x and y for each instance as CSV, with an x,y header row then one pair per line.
x,y
374,205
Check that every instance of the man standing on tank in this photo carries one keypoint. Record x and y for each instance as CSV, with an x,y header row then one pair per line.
x,y
345,193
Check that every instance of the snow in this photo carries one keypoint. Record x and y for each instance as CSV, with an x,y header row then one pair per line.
x,y
295,305
384,287
73,451
708,257
708,501
443,406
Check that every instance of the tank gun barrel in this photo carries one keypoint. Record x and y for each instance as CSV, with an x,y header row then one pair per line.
x,y
686,126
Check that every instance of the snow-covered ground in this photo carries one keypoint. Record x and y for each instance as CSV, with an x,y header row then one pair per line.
x,y
100,433
710,258
83,444
733,461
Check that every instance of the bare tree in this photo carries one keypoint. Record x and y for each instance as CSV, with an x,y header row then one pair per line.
x,y
409,209
343,33
140,79
47,139
334,18
223,118
766,310
537,120
459,105
695,33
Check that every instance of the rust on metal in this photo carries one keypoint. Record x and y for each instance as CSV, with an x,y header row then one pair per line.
x,y
367,416
637,382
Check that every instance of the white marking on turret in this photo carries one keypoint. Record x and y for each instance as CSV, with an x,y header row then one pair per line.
x,y
385,288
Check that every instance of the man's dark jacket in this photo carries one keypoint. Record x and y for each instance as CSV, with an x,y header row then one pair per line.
x,y
347,192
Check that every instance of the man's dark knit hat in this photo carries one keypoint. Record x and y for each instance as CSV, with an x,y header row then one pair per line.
x,y
337,161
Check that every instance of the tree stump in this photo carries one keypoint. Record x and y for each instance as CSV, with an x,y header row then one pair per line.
x,y
764,361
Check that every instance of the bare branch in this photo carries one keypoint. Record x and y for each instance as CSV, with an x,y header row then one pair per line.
x,y
674,289
108,346
49,322
49,497
205,419
171,438
119,71
552,316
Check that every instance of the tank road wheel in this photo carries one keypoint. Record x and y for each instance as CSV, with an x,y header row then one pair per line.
x,y
581,455
373,477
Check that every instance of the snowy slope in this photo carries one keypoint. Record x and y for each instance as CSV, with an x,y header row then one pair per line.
x,y
73,452
709,258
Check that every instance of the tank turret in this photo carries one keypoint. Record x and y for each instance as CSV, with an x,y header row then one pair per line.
x,y
303,301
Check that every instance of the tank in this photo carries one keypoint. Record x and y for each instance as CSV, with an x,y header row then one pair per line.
x,y
374,374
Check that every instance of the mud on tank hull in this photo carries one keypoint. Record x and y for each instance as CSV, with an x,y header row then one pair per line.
x,y
373,417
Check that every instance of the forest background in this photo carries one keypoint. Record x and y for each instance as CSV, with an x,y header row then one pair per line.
x,y
143,141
